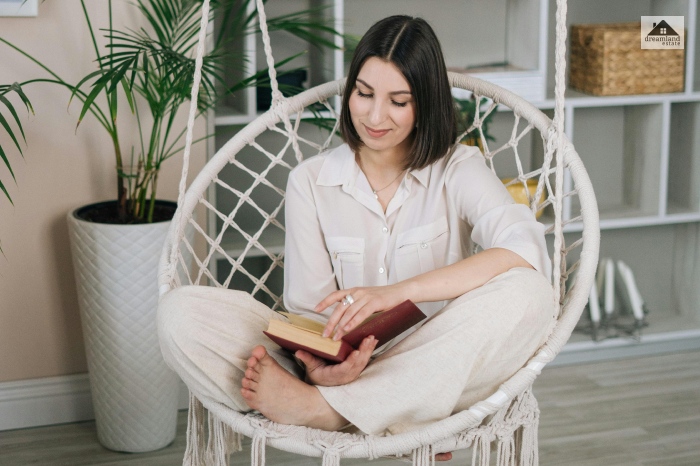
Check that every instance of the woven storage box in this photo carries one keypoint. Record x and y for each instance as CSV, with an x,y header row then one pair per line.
x,y
607,59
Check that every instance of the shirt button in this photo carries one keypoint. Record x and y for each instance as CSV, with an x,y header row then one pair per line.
x,y
423,245
385,229
381,269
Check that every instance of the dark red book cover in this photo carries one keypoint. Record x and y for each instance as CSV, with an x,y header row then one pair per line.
x,y
383,326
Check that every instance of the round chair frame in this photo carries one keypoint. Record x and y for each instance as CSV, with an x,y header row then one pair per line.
x,y
448,434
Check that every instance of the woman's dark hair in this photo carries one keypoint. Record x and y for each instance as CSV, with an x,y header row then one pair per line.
x,y
412,46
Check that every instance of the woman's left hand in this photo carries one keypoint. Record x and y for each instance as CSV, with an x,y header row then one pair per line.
x,y
365,302
319,372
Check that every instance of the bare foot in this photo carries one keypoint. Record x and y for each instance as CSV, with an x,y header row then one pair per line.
x,y
443,456
283,398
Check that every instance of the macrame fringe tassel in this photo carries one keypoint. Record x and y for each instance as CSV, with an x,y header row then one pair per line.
x,y
257,449
424,456
331,457
529,448
236,441
506,452
194,451
481,451
221,442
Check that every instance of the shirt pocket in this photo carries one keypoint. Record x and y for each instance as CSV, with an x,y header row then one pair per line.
x,y
421,249
348,258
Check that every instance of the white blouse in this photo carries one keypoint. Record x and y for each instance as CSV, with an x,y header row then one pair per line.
x,y
338,237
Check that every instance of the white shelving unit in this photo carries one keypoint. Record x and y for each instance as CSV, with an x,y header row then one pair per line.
x,y
643,156
502,41
642,152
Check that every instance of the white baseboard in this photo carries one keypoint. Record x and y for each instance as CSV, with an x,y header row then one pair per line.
x,y
51,400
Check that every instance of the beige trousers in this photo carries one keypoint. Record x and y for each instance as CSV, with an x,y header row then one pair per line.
x,y
458,357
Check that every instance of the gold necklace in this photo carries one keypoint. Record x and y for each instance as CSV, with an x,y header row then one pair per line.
x,y
377,191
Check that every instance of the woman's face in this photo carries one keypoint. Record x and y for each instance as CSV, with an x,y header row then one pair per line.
x,y
382,108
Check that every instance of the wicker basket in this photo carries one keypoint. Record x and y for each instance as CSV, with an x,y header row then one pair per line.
x,y
607,59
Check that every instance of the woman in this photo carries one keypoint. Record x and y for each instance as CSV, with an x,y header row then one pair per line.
x,y
390,215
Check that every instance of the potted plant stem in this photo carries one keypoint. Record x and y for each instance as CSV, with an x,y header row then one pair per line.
x,y
145,72
466,111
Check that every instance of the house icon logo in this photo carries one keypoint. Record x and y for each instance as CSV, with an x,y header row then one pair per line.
x,y
662,29
662,32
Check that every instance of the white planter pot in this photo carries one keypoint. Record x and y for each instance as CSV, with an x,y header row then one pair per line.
x,y
134,393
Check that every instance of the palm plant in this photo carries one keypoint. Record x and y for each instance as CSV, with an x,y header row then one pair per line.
x,y
5,91
153,68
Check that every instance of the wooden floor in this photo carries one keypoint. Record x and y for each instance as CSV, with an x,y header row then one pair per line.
x,y
642,411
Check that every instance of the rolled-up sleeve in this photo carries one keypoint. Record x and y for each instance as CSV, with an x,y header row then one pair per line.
x,y
497,221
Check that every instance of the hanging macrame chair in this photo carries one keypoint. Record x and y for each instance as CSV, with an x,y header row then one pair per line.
x,y
508,418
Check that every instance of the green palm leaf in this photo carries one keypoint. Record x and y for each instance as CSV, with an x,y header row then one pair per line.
x,y
5,102
156,63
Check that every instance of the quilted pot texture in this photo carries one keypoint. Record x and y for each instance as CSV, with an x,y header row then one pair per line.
x,y
134,393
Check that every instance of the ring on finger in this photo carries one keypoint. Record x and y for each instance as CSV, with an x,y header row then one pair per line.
x,y
348,300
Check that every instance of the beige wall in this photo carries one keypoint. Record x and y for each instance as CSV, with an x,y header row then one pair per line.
x,y
40,332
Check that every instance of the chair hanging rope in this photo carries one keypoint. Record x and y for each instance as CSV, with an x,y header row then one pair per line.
x,y
194,97
559,90
513,407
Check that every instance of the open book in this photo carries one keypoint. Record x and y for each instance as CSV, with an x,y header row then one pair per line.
x,y
305,334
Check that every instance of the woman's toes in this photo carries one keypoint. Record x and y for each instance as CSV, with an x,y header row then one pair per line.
x,y
443,456
252,374
248,395
259,352
249,384
253,362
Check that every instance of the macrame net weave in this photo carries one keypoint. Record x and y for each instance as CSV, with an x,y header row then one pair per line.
x,y
242,236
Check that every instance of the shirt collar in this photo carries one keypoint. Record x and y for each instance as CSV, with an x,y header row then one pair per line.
x,y
339,168
422,175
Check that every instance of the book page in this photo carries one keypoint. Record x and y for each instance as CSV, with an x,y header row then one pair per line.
x,y
303,336
304,323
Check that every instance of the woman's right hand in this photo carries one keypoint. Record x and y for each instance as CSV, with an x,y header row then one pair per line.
x,y
320,372
365,301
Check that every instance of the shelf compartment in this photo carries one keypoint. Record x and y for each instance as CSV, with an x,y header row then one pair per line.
x,y
530,150
318,63
501,129
257,267
666,286
608,11
240,178
234,243
235,69
621,150
684,159
227,116
503,46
